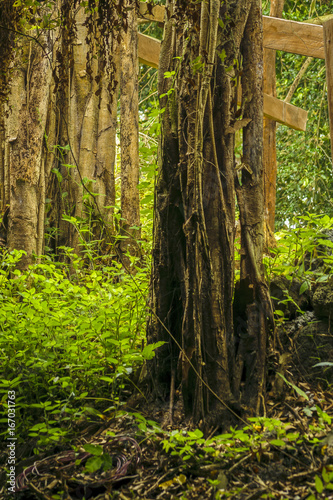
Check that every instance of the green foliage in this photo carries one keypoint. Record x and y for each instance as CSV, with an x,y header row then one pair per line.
x,y
323,484
69,335
98,460
304,178
303,252
304,181
258,444
255,438
148,167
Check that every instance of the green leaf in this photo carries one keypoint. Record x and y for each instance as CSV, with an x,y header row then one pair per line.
x,y
93,464
107,379
278,442
195,434
296,389
322,414
319,484
324,277
148,350
38,427
169,74
304,287
93,449
326,476
327,243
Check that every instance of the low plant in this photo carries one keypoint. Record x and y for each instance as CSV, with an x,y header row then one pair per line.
x,y
303,252
69,343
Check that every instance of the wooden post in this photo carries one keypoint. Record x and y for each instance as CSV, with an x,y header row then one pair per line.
x,y
269,160
328,41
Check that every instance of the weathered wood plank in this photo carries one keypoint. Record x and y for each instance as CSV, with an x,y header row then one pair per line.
x,y
285,113
293,117
328,40
149,50
291,36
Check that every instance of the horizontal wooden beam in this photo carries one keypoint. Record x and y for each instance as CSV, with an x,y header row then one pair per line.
x,y
148,50
280,111
290,36
279,34
285,113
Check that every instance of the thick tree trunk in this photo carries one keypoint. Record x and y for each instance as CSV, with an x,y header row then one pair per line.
x,y
252,301
25,126
129,134
193,256
90,130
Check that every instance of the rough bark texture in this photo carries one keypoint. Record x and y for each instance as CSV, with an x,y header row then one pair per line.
x,y
57,138
88,125
23,160
269,158
129,133
193,256
252,301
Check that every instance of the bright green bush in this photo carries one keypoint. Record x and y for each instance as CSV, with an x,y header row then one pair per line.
x,y
67,341
303,251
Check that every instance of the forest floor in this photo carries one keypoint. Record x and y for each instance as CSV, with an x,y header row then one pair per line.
x,y
286,455
138,453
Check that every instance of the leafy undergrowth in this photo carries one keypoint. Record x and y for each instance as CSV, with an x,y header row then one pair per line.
x,y
71,341
303,252
286,455
72,345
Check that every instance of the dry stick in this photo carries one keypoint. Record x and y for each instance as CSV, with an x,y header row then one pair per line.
x,y
122,496
172,395
240,462
161,479
39,494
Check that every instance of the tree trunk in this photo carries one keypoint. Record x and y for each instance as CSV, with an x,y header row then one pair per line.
x,y
193,256
129,134
25,126
59,139
90,130
270,163
252,306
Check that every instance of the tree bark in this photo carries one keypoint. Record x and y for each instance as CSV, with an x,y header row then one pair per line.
x,y
25,126
193,256
129,134
59,137
90,130
252,302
